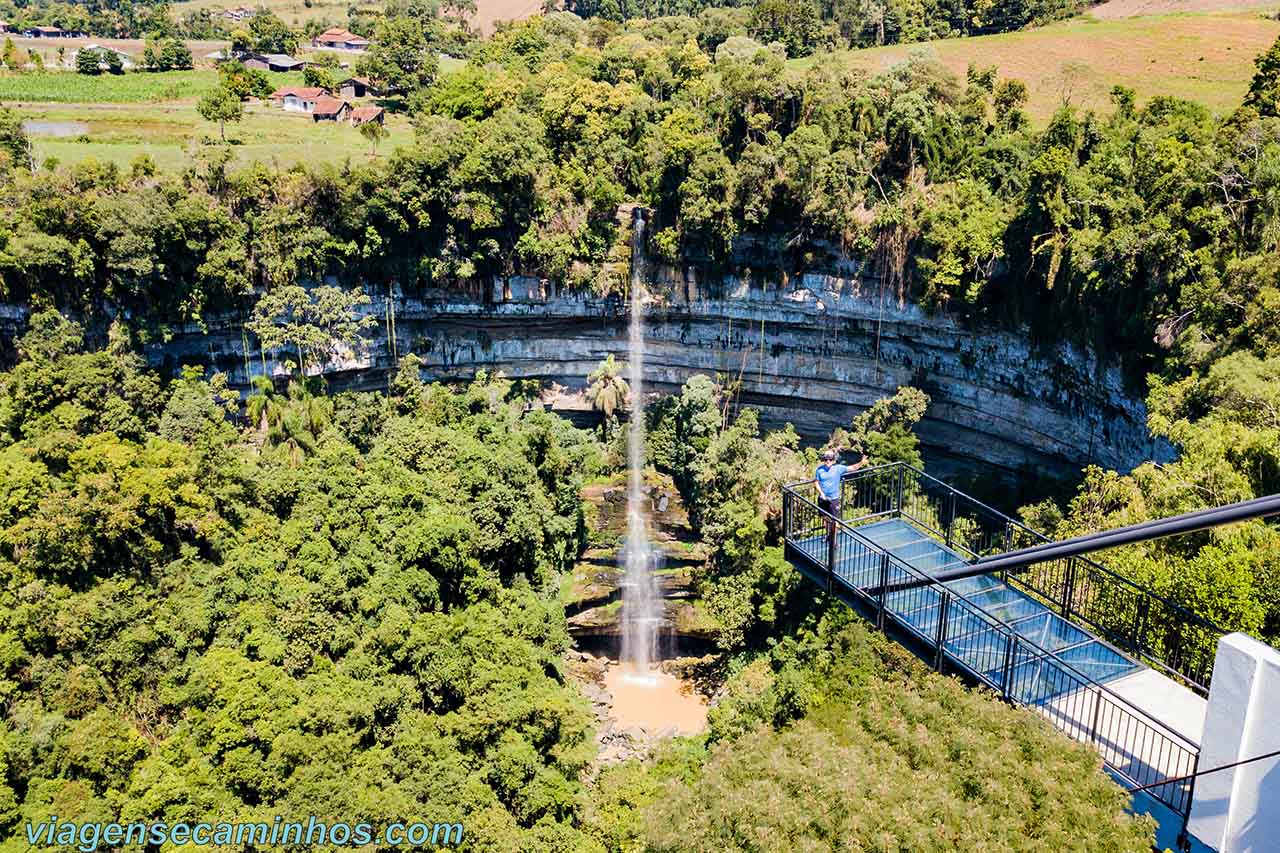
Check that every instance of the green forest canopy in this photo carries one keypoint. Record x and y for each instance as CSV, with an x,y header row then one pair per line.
x,y
203,619
349,608
799,27
1150,231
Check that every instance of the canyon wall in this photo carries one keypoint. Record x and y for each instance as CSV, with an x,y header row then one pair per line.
x,y
813,351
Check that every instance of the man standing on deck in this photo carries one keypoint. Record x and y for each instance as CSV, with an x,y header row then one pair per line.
x,y
828,475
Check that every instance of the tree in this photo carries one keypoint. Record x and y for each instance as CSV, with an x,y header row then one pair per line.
x,y
241,41
293,422
1264,89
245,82
794,23
458,10
14,142
884,431
318,77
1009,98
270,34
316,323
222,106
88,62
374,132
608,390
400,57
175,55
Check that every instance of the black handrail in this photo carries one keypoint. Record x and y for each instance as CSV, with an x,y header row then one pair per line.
x,y
1143,532
981,614
1188,658
1121,579
1170,637
1126,730
1196,775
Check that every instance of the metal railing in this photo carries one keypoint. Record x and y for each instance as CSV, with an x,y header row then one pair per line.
x,y
959,633
1152,628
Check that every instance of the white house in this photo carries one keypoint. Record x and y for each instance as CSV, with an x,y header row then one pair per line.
x,y
299,99
126,61
336,38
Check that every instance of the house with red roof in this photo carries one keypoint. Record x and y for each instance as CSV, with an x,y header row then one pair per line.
x,y
330,109
299,99
364,115
336,38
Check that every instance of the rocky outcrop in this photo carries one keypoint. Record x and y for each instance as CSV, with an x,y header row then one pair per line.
x,y
812,353
811,350
593,603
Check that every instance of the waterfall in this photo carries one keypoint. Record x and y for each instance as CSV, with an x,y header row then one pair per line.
x,y
641,604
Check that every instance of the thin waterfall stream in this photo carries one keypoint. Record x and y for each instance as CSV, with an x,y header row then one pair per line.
x,y
642,607
645,698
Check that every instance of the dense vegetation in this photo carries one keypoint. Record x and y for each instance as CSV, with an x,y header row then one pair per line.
x,y
1106,225
1150,231
800,28
804,26
882,756
108,18
348,607
207,607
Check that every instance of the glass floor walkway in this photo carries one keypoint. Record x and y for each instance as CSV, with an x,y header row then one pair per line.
x,y
969,638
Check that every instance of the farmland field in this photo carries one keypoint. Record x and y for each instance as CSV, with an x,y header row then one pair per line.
x,y
49,48
292,12
171,133
130,88
298,12
1205,57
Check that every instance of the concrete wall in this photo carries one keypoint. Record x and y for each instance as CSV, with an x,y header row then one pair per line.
x,y
1238,810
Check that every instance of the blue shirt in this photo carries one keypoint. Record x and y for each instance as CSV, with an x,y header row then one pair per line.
x,y
828,477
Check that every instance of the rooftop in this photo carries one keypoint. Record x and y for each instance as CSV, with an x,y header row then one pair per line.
x,y
327,106
307,93
338,34
360,115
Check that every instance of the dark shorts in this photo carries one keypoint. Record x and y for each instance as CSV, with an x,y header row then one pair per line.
x,y
831,506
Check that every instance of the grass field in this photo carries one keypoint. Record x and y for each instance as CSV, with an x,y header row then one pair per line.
x,y
1134,8
131,88
1204,57
293,12
297,12
170,133
489,12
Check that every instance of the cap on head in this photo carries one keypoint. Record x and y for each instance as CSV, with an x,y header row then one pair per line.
x,y
828,455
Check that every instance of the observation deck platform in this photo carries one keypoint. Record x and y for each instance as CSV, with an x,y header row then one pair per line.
x,y
1104,661
921,609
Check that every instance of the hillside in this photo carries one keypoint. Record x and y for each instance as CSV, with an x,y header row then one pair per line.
x,y
1206,57
298,12
1136,8
489,12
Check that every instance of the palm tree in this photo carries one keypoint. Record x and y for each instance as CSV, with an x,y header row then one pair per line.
x,y
608,390
305,416
264,405
291,422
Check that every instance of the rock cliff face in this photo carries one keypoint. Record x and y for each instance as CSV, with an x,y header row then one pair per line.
x,y
813,352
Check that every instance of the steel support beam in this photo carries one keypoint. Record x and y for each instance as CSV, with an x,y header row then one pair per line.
x,y
1146,531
